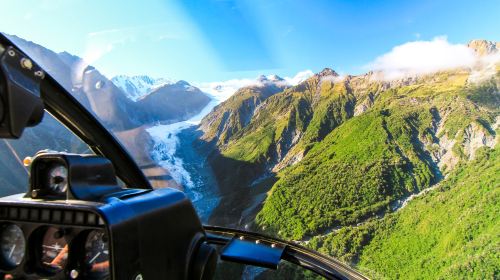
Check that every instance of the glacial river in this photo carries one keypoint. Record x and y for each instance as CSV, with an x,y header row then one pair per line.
x,y
173,150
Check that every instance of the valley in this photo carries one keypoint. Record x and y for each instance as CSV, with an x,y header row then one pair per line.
x,y
336,157
391,176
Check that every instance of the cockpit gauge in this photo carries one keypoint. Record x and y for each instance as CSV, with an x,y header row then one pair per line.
x,y
58,179
97,254
13,245
54,251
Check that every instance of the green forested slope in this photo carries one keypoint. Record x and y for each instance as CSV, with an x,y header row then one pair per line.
x,y
306,112
376,158
452,232
341,154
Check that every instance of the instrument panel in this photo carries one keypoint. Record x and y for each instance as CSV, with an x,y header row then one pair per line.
x,y
76,248
76,222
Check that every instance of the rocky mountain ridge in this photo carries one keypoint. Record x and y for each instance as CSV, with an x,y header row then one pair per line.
x,y
427,124
484,47
236,112
326,161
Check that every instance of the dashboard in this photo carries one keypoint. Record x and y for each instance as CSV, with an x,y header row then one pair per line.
x,y
76,222
53,243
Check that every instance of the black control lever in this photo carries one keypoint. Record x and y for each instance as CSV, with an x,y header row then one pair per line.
x,y
253,251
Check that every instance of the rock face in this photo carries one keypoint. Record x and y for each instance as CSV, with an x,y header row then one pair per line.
x,y
477,136
484,47
107,102
234,114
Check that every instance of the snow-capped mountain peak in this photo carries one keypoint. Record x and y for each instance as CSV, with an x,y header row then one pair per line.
x,y
275,78
136,87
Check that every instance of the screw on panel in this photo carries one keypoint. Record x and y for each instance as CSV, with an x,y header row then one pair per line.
x,y
27,161
73,274
40,74
138,277
26,63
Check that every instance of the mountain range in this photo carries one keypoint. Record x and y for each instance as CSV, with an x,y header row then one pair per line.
x,y
399,178
120,110
335,162
123,102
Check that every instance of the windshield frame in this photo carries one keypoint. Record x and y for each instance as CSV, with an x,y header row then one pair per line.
x,y
69,112
65,108
322,265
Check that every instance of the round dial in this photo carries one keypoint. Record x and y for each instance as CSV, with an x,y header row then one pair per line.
x,y
54,250
13,245
97,254
58,178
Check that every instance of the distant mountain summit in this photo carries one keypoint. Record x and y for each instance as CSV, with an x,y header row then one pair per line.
x,y
484,47
173,102
114,101
269,79
136,87
327,72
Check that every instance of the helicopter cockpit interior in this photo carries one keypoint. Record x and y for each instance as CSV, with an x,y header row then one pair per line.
x,y
77,221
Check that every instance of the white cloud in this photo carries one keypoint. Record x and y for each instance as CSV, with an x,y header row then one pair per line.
x,y
333,79
102,42
485,68
223,90
422,57
299,77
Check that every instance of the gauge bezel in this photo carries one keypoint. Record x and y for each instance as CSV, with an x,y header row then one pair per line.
x,y
36,243
5,264
64,244
41,177
83,251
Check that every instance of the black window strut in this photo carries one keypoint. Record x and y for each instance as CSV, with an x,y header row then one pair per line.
x,y
67,110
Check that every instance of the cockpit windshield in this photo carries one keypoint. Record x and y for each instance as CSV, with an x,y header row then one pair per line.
x,y
365,131
48,135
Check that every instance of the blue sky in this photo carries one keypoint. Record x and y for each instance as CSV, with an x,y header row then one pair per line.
x,y
212,40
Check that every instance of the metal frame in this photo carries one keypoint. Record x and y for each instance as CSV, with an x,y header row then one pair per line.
x,y
67,110
327,267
